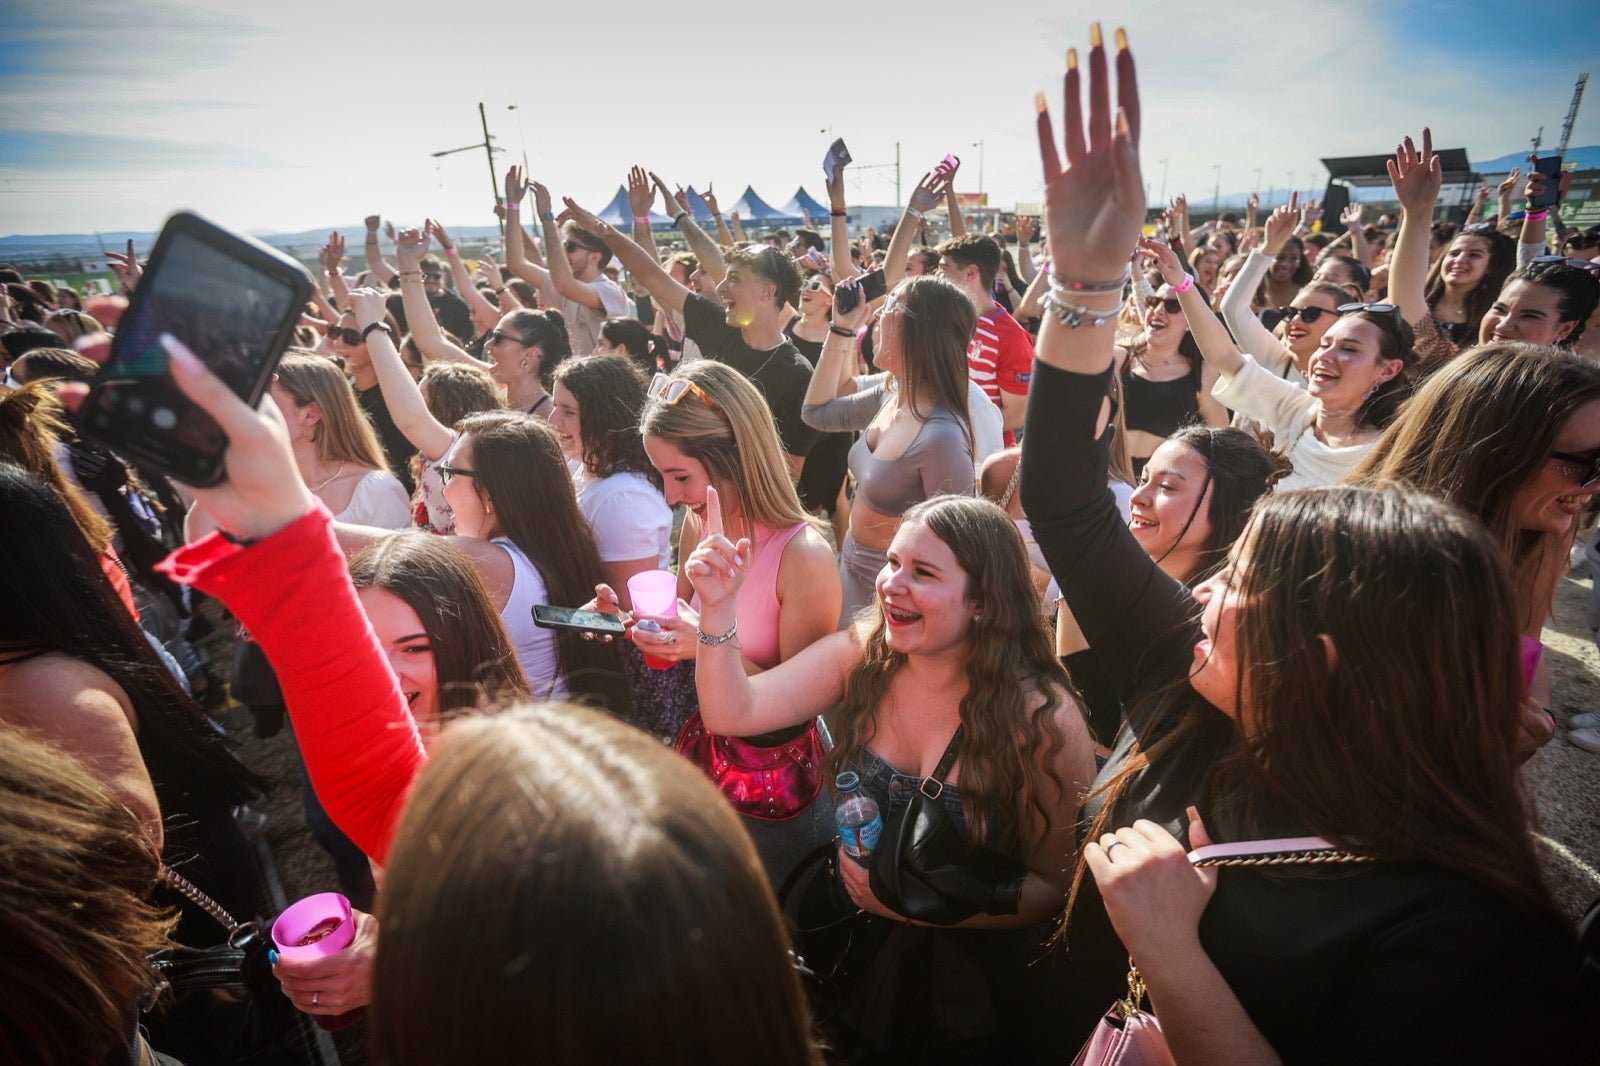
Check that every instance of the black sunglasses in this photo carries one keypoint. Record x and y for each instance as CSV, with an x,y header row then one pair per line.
x,y
1390,311
429,275
448,474
351,337
1171,304
1308,314
501,335
1589,464
1590,265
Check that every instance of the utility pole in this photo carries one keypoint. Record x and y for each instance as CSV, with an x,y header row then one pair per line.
x,y
1572,113
487,144
1216,195
979,146
1163,202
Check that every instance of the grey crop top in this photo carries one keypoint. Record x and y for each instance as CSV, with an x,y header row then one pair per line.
x,y
938,460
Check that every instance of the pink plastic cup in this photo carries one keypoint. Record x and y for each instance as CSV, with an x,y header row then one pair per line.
x,y
654,592
307,917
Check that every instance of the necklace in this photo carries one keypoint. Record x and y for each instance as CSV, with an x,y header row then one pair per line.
x,y
330,479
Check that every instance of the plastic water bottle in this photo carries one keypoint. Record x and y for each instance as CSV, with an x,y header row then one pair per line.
x,y
857,816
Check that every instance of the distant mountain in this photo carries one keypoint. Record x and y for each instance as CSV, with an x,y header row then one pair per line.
x,y
1586,158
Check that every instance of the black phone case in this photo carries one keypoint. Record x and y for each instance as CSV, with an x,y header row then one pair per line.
x,y
135,408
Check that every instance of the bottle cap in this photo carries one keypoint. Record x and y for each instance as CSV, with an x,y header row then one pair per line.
x,y
848,781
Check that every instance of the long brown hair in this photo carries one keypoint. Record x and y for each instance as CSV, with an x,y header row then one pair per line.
x,y
474,662
1402,746
32,423
522,473
76,869
1010,664
588,897
610,394
934,334
343,435
1476,433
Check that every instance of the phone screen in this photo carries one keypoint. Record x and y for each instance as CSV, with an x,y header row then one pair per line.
x,y
1550,167
231,311
552,617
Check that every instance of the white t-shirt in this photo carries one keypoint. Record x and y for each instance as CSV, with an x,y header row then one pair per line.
x,y
988,425
629,516
583,322
379,500
1290,412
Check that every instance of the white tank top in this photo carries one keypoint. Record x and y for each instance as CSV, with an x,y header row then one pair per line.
x,y
535,647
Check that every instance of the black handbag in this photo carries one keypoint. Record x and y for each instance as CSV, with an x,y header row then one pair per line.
x,y
220,1003
925,869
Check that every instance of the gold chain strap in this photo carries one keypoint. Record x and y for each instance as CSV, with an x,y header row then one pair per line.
x,y
200,899
1317,857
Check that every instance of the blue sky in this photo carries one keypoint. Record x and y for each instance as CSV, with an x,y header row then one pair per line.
x,y
290,115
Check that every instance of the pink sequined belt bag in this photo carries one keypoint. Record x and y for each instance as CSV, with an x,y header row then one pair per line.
x,y
770,783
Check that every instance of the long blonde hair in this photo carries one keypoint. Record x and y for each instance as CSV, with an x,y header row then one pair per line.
x,y
344,435
733,437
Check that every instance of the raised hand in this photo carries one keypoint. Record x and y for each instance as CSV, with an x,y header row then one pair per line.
x,y
514,185
370,305
717,566
1281,225
666,194
930,190
709,197
1351,216
541,198
581,218
640,197
1251,238
1095,206
332,254
410,245
434,229
1416,175
1027,230
126,266
372,222
1254,203
1510,181
853,318
1310,213
836,189
388,230
1163,258
489,271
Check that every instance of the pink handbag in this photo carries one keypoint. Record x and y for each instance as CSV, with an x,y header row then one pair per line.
x,y
1128,1035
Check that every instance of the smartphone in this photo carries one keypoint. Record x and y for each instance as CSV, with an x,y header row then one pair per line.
x,y
948,163
235,303
548,616
838,156
871,288
1550,167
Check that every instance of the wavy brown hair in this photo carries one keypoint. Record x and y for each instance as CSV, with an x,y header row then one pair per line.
x,y
1010,665
32,423
610,394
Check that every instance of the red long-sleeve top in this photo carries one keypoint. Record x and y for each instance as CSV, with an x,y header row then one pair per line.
x,y
292,592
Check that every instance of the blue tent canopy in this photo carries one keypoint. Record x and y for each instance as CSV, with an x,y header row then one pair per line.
x,y
620,214
802,203
753,208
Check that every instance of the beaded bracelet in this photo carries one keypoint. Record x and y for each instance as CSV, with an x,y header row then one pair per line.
x,y
837,332
711,642
1059,283
1072,315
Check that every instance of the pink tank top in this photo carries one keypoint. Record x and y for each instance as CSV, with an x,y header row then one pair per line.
x,y
757,604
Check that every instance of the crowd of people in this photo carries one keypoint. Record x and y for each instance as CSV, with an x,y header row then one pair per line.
x,y
1088,543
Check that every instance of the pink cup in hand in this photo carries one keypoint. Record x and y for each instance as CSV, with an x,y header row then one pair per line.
x,y
312,916
654,592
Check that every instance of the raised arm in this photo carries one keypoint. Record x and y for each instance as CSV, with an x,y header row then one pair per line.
x,y
1416,177
477,305
519,249
924,198
1209,333
1027,229
733,704
400,394
1505,190
640,197
1351,217
640,264
1237,309
952,206
562,280
737,227
409,247
838,353
333,251
377,265
838,229
724,235
705,250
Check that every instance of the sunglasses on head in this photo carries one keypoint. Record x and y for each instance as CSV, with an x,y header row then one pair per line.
x,y
1171,304
670,390
1589,265
1389,311
1478,229
351,337
1306,314
1588,466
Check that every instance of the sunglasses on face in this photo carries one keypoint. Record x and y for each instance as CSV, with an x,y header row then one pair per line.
x,y
817,285
1171,304
1584,467
448,474
670,390
497,335
1306,314
351,337
1584,241
430,276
